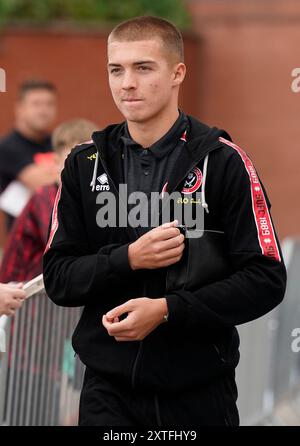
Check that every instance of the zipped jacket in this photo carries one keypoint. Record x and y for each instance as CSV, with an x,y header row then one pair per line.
x,y
231,273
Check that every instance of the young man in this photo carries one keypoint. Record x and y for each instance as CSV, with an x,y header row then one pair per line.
x,y
157,333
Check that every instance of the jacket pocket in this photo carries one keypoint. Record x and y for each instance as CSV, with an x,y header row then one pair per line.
x,y
204,261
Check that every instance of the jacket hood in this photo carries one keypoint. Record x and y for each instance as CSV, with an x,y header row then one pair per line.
x,y
201,138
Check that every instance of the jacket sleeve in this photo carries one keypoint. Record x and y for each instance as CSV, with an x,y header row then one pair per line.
x,y
74,276
258,280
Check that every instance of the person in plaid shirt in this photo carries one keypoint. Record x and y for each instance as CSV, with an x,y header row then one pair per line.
x,y
22,258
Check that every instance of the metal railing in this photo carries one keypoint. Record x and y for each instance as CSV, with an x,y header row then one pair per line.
x,y
269,371
40,378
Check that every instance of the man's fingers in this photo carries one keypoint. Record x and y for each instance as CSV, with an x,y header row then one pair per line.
x,y
169,233
169,261
158,234
174,242
164,234
118,311
166,225
118,328
170,224
115,328
170,253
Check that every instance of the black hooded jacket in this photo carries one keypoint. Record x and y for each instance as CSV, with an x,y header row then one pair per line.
x,y
232,274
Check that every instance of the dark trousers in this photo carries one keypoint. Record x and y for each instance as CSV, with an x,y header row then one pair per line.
x,y
105,403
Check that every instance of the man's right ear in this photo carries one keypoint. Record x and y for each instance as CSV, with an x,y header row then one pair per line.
x,y
179,73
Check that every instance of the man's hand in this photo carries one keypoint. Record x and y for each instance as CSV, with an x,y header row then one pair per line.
x,y
11,298
158,248
144,315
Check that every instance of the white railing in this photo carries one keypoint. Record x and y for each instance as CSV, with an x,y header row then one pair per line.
x,y
40,379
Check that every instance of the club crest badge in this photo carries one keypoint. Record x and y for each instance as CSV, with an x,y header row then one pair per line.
x,y
192,181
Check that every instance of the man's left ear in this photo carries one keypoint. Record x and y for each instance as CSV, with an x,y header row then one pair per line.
x,y
179,73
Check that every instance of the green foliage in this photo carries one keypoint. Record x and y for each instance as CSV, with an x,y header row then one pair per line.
x,y
97,11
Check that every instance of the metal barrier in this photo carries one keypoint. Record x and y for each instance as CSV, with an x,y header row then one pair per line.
x,y
269,371
40,378
255,372
287,370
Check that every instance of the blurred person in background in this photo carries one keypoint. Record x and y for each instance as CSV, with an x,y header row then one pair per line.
x,y
35,114
11,298
25,153
22,258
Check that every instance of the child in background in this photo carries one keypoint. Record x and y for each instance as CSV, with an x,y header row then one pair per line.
x,y
22,257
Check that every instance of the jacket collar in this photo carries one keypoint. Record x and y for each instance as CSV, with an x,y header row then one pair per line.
x,y
200,140
164,145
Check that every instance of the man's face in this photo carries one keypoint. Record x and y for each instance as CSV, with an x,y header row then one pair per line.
x,y
37,110
141,78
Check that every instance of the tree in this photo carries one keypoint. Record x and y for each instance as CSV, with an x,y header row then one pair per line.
x,y
96,11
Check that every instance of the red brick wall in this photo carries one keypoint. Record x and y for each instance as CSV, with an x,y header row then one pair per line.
x,y
239,78
248,51
76,62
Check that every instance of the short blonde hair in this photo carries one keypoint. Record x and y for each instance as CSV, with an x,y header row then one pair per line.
x,y
147,28
70,133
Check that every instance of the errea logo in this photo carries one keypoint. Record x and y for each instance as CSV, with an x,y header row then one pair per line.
x,y
103,180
